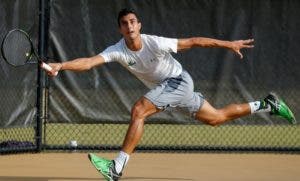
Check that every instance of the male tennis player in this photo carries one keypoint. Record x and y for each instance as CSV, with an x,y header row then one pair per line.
x,y
149,58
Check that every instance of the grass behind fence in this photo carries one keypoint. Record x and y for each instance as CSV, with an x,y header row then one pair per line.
x,y
163,135
176,135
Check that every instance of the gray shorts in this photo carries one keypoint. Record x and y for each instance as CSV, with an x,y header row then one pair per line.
x,y
176,92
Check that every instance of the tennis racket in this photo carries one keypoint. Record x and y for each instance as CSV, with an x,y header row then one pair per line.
x,y
17,50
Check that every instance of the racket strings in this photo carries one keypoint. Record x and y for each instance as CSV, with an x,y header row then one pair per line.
x,y
16,48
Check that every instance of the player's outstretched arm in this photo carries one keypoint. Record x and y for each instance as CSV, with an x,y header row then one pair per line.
x,y
235,46
77,65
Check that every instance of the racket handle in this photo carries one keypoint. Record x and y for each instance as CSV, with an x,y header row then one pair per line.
x,y
47,67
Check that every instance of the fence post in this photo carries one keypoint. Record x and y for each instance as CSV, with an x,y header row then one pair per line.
x,y
42,79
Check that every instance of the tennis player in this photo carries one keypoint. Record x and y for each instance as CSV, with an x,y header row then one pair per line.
x,y
149,58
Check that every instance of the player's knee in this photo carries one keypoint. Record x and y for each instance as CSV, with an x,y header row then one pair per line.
x,y
138,112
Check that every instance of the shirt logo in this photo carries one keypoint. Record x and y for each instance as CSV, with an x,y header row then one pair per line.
x,y
152,60
131,62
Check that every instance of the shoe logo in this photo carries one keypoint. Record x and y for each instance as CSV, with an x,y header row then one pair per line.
x,y
276,105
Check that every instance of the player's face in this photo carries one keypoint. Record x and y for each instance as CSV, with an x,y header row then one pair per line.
x,y
130,27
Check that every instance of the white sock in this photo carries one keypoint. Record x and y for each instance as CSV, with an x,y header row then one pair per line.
x,y
256,107
121,161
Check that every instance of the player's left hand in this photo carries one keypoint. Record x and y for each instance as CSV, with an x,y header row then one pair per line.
x,y
237,45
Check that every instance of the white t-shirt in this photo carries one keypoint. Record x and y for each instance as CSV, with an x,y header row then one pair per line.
x,y
152,64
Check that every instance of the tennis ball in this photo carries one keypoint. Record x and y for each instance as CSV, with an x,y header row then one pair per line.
x,y
73,143
27,54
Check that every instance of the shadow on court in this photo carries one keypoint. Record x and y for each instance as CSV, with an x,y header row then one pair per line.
x,y
45,179
153,167
143,178
7,178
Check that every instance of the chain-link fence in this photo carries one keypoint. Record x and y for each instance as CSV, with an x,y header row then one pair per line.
x,y
18,108
166,131
18,86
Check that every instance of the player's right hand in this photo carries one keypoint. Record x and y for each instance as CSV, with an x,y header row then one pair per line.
x,y
56,67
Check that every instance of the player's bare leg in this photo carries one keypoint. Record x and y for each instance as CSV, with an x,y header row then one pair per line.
x,y
112,169
212,116
272,104
140,111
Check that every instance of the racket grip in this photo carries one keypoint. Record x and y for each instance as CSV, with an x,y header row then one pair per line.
x,y
48,68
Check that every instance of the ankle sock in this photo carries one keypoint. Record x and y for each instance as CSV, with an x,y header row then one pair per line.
x,y
121,161
259,106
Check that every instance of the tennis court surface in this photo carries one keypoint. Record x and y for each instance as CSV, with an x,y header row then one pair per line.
x,y
154,166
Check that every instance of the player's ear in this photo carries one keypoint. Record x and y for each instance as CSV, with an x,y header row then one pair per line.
x,y
140,25
120,30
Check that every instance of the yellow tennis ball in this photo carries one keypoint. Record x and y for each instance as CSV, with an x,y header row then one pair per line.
x,y
27,54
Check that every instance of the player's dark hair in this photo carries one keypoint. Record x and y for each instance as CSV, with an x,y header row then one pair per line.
x,y
125,12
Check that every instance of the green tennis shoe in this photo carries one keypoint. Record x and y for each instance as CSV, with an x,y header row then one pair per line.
x,y
105,167
280,108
